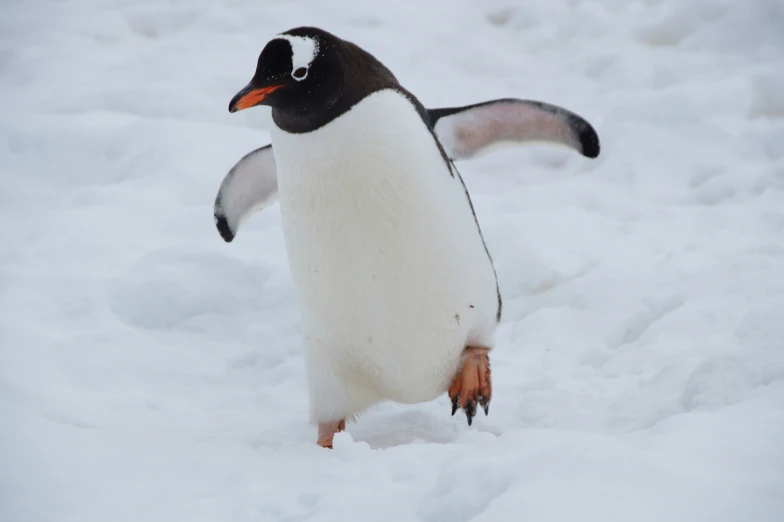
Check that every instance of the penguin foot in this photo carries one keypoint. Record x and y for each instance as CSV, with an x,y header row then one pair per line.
x,y
327,431
471,384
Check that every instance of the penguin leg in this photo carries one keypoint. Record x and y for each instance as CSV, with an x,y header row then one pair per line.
x,y
327,431
472,383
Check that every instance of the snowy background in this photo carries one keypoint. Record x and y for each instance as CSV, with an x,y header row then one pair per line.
x,y
151,372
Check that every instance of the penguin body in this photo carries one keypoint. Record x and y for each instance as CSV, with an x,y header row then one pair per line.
x,y
392,274
398,294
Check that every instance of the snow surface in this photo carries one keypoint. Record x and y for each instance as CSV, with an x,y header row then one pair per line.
x,y
151,372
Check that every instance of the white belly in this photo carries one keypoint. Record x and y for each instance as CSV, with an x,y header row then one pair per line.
x,y
389,266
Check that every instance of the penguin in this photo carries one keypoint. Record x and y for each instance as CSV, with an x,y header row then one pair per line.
x,y
398,295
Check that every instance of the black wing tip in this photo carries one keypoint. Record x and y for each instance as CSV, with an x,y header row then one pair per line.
x,y
589,142
223,228
586,134
590,146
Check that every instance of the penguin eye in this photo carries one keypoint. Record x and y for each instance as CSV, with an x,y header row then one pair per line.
x,y
299,73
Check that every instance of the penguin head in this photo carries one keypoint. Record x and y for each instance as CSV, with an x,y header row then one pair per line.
x,y
297,71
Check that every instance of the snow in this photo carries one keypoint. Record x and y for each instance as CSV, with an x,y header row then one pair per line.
x,y
149,371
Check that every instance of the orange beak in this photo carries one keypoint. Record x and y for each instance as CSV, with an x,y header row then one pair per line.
x,y
250,96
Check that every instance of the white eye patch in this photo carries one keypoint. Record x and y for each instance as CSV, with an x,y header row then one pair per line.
x,y
303,52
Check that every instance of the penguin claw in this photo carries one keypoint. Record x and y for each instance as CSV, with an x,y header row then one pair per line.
x,y
484,402
470,411
471,384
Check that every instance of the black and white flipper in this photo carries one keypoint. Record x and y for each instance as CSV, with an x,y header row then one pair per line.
x,y
250,185
465,132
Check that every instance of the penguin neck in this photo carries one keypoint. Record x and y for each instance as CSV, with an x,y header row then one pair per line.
x,y
308,117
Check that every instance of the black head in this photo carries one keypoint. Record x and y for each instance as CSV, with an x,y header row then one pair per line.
x,y
297,70
309,77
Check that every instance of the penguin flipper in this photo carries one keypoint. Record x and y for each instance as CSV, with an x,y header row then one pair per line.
x,y
250,185
467,131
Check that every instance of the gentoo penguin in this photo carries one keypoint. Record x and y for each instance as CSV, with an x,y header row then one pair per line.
x,y
398,293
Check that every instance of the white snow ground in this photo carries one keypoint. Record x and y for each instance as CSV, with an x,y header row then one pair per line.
x,y
151,372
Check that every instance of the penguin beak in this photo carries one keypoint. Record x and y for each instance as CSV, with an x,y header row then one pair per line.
x,y
251,96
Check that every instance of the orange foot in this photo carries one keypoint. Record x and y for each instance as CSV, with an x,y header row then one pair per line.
x,y
472,383
327,430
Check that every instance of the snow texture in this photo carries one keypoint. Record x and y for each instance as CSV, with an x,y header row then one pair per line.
x,y
151,372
